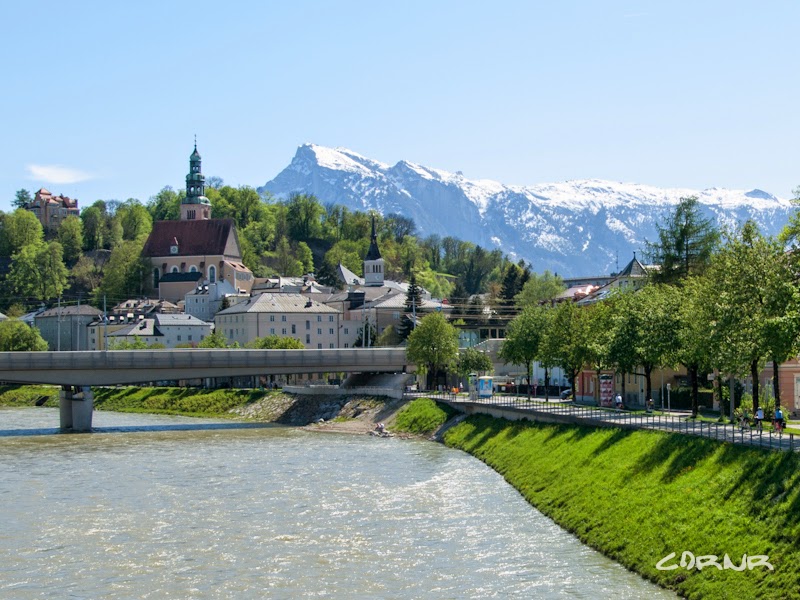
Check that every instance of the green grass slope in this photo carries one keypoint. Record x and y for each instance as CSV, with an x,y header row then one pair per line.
x,y
423,416
638,496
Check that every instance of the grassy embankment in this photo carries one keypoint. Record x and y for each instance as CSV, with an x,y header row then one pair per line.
x,y
193,402
423,416
638,496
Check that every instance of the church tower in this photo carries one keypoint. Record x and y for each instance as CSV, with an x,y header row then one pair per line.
x,y
195,206
373,263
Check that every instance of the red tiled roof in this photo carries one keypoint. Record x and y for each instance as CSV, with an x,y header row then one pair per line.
x,y
195,238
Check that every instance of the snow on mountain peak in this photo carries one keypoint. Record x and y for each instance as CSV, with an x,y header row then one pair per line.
x,y
570,227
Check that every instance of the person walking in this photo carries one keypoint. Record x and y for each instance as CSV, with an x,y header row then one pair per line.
x,y
759,419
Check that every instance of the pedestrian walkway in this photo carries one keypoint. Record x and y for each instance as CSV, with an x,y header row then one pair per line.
x,y
675,422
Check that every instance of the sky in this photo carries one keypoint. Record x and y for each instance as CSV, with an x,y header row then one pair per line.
x,y
102,100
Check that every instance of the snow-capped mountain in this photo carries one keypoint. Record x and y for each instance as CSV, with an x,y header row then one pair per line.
x,y
574,228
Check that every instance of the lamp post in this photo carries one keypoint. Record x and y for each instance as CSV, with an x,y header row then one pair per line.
x,y
669,404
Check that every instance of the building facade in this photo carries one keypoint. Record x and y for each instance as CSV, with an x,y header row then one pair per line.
x,y
52,210
65,328
284,315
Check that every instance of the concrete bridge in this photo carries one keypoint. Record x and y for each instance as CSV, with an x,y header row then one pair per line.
x,y
77,371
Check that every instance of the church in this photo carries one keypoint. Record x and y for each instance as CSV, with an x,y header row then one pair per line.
x,y
195,248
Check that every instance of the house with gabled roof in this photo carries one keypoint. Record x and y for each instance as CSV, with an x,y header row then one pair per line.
x,y
196,248
51,210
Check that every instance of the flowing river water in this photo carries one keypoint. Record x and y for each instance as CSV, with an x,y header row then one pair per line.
x,y
168,507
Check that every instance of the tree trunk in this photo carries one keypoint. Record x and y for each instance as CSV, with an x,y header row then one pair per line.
x,y
623,388
776,385
546,384
530,379
754,375
693,374
596,388
648,383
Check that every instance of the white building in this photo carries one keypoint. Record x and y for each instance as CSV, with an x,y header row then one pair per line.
x,y
285,315
207,299
171,330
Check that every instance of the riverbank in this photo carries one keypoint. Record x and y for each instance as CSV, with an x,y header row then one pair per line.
x,y
638,496
323,413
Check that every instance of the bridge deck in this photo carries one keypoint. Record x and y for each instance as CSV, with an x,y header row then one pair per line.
x,y
136,366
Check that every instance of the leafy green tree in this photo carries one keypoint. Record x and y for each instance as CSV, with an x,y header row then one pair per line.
x,y
388,338
38,271
540,288
16,336
274,342
399,226
472,360
304,216
21,228
134,219
696,329
433,344
21,198
136,344
127,273
70,235
367,336
215,340
93,228
566,340
85,275
165,205
512,283
523,341
685,243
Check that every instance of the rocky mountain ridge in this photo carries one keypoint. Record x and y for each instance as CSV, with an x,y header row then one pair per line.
x,y
573,228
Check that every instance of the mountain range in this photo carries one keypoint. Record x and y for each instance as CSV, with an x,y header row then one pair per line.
x,y
574,228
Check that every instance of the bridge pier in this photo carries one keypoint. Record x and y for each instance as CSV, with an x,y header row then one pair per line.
x,y
76,404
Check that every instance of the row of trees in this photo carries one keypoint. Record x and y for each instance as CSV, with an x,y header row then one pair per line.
x,y
721,302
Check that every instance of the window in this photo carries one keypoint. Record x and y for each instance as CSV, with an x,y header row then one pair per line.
x,y
319,346
192,269
330,318
283,331
308,325
179,338
174,270
330,331
283,318
330,345
396,315
319,318
308,338
347,331
346,345
272,331
294,328
319,330
212,274
272,318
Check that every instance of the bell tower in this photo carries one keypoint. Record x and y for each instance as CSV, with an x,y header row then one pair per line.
x,y
195,206
373,263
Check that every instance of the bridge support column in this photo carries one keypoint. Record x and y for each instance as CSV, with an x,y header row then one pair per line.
x,y
76,405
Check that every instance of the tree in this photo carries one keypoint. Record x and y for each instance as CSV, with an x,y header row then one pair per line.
x,y
685,243
127,273
20,228
693,350
16,336
540,288
472,360
165,205
399,226
274,342
70,235
21,198
38,271
215,340
93,228
524,338
85,275
433,344
136,344
388,337
304,216
413,303
134,219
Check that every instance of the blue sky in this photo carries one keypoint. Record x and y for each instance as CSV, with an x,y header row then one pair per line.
x,y
103,99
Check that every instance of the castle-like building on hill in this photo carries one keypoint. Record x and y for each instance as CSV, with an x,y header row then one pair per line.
x,y
196,248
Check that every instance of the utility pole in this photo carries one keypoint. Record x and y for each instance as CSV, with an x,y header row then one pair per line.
x,y
58,326
105,325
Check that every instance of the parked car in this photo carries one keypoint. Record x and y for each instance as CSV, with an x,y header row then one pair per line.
x,y
566,393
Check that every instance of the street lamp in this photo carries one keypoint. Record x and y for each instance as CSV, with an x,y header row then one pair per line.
x,y
669,404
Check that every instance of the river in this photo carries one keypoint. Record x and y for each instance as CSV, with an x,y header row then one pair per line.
x,y
168,507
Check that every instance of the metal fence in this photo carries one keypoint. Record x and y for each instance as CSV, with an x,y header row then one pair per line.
x,y
609,417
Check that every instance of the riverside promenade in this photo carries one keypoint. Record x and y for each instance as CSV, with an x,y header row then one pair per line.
x,y
568,412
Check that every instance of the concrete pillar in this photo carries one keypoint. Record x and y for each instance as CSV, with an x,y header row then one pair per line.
x,y
76,405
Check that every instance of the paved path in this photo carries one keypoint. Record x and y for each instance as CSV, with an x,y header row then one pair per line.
x,y
675,422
